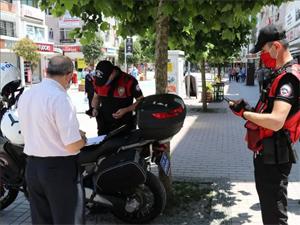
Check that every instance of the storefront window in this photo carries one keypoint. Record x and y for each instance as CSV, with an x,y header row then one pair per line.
x,y
7,28
32,3
35,33
65,34
51,34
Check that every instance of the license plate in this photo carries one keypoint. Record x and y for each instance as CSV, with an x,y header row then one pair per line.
x,y
165,163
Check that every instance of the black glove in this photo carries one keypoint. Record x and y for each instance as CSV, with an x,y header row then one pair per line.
x,y
238,107
89,112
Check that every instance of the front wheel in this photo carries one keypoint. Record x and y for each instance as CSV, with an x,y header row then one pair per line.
x,y
146,203
7,196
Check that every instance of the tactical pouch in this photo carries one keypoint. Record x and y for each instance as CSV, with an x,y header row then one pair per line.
x,y
277,149
253,136
269,152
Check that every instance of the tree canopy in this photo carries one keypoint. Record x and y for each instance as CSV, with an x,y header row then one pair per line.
x,y
92,51
28,50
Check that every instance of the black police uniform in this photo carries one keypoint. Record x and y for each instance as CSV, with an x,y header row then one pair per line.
x,y
272,178
89,88
117,95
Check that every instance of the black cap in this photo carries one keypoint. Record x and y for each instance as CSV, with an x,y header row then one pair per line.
x,y
103,70
267,34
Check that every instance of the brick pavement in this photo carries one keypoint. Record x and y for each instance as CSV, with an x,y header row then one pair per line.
x,y
208,148
211,149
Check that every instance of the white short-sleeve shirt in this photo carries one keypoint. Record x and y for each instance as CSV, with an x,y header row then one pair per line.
x,y
48,120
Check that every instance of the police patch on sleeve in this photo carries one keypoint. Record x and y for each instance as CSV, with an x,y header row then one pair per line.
x,y
286,90
137,87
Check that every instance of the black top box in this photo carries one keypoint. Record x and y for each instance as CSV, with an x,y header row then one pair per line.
x,y
160,116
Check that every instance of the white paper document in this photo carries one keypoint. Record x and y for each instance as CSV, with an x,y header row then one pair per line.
x,y
95,140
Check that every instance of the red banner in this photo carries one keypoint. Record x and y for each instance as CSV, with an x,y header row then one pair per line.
x,y
42,47
70,48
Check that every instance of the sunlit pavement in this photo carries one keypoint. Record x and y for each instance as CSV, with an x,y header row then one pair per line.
x,y
209,148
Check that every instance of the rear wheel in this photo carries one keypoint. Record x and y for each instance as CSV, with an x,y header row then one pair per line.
x,y
146,203
7,196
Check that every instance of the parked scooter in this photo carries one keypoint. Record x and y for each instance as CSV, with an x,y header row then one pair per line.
x,y
117,171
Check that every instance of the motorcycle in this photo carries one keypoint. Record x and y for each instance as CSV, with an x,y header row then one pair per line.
x,y
116,173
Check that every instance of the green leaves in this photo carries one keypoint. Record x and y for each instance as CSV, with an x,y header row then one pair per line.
x,y
128,3
193,23
27,49
104,26
92,51
227,7
227,34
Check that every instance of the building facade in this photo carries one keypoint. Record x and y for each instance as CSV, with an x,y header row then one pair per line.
x,y
287,16
20,19
59,32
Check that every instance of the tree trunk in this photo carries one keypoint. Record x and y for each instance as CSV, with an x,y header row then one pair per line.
x,y
219,69
161,75
202,69
145,70
161,50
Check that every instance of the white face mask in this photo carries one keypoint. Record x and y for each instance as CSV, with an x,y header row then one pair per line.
x,y
69,84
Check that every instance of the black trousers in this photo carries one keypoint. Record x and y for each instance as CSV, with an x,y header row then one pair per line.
x,y
271,185
90,96
55,192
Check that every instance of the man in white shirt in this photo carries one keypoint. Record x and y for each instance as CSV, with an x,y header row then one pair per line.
x,y
52,141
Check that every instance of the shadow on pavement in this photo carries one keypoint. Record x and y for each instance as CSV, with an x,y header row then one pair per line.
x,y
223,198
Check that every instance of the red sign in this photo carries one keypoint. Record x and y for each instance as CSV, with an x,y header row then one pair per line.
x,y
42,47
70,48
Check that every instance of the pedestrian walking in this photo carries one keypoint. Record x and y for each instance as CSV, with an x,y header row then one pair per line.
x,y
52,141
134,72
112,103
89,88
274,125
261,73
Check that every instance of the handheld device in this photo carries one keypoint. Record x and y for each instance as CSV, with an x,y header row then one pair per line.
x,y
227,99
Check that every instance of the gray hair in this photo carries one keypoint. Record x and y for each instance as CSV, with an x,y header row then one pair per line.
x,y
60,66
283,42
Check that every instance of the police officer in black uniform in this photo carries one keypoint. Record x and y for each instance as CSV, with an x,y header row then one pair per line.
x,y
113,104
274,125
89,88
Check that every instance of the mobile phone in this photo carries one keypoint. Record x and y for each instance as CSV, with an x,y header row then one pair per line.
x,y
227,99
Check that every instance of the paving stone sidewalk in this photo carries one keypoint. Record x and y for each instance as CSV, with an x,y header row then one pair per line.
x,y
209,148
212,149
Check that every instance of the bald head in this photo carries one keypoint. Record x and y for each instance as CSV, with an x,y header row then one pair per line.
x,y
60,66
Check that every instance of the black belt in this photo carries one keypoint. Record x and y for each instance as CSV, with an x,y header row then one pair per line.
x,y
53,158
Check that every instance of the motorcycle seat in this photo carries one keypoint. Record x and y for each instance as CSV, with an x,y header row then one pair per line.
x,y
91,153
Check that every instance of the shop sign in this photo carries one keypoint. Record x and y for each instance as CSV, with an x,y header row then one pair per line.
x,y
81,63
36,13
42,47
129,46
69,48
67,21
110,51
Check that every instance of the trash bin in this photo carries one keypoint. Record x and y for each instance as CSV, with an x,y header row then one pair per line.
x,y
193,86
